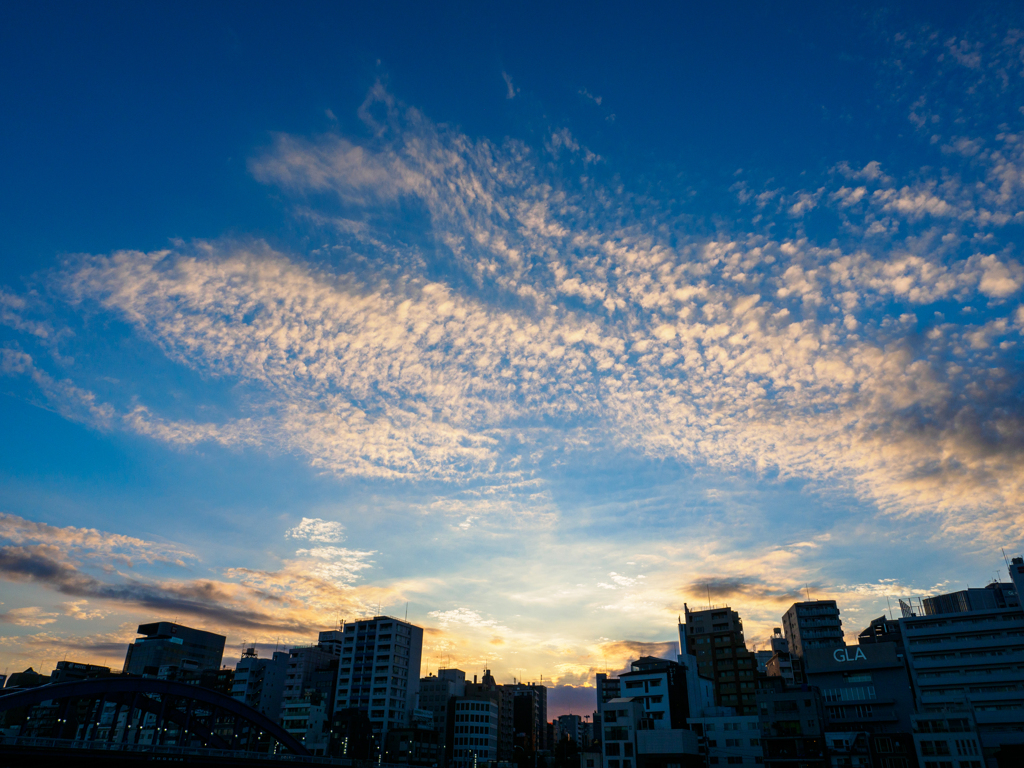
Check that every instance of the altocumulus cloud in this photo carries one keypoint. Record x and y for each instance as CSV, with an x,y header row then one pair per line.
x,y
571,324
558,318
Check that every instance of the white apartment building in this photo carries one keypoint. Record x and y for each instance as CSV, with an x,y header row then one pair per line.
x,y
475,739
974,661
260,682
307,720
379,670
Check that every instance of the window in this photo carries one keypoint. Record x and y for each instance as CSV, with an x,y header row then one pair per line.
x,y
627,749
755,742
713,760
857,677
611,749
735,760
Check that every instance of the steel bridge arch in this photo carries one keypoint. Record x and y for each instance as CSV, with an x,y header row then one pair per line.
x,y
134,690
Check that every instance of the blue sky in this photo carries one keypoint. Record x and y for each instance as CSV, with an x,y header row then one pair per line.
x,y
542,322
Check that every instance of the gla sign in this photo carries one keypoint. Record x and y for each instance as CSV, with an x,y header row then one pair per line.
x,y
843,654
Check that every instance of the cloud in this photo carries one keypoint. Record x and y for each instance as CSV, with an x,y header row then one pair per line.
x,y
468,618
337,565
511,90
316,529
732,588
90,541
292,600
76,609
565,326
29,616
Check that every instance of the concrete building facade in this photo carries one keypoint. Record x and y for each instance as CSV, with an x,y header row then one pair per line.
x,y
437,690
260,682
379,670
971,660
812,624
792,727
863,688
728,739
169,644
715,637
472,736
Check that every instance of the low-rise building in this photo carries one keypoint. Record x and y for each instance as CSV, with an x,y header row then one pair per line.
x,y
169,644
725,738
792,726
420,746
942,737
307,719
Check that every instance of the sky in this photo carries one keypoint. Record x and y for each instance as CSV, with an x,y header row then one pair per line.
x,y
531,324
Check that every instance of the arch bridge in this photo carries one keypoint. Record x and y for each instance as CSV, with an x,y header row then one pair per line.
x,y
135,711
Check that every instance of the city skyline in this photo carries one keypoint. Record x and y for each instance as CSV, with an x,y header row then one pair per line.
x,y
535,330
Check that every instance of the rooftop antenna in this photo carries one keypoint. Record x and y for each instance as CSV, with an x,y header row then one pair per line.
x,y
708,586
807,589
890,607
406,610
1005,560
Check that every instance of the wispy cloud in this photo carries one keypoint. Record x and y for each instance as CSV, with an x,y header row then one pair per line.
x,y
511,89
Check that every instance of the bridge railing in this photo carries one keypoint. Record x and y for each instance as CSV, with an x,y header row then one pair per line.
x,y
42,743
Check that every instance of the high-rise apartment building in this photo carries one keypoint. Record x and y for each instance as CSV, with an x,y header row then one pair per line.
x,y
313,669
812,624
168,644
530,714
504,697
607,688
995,595
379,670
715,637
971,661
260,682
471,738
